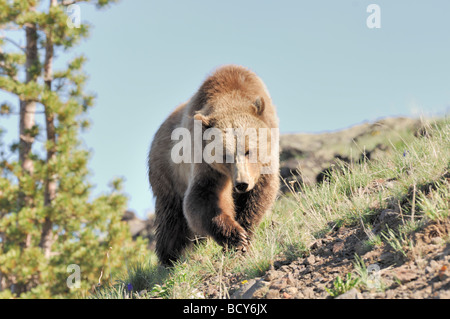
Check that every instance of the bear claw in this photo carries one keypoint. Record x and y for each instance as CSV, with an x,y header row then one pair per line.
x,y
244,242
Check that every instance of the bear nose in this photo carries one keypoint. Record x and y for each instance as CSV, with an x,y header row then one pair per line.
x,y
241,187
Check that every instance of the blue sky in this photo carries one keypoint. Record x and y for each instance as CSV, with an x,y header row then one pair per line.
x,y
323,66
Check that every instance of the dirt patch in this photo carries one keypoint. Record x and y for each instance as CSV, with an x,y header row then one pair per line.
x,y
423,273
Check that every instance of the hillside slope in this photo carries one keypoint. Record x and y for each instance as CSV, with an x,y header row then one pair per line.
x,y
308,158
373,228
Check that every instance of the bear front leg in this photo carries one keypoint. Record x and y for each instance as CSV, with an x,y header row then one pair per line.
x,y
252,205
209,210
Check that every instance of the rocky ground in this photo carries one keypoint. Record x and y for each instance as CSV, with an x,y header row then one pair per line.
x,y
418,270
423,273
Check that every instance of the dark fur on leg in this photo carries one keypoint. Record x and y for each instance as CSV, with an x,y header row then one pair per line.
x,y
251,206
172,231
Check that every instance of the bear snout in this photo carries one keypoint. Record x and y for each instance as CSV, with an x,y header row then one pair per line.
x,y
241,187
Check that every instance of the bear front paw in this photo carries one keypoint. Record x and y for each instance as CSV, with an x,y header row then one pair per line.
x,y
238,239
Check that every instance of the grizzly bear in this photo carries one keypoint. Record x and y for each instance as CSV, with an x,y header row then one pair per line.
x,y
224,198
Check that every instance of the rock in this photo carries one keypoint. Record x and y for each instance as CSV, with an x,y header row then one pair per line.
x,y
316,244
434,264
277,264
286,295
445,294
390,294
308,293
239,294
272,275
292,291
443,273
307,270
318,259
351,294
404,274
273,294
387,258
310,260
299,295
290,280
338,247
257,291
285,269
253,289
279,284
212,291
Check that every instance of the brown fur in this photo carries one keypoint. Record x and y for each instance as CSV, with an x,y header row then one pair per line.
x,y
200,199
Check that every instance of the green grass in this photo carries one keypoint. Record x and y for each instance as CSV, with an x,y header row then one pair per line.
x,y
369,278
411,179
341,286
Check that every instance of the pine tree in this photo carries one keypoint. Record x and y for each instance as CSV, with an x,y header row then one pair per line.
x,y
47,219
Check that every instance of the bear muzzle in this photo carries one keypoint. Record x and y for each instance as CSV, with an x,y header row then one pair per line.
x,y
241,187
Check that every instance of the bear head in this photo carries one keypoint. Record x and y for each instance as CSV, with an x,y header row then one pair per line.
x,y
237,142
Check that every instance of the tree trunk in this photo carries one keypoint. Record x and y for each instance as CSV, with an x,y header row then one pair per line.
x,y
47,236
28,108
27,116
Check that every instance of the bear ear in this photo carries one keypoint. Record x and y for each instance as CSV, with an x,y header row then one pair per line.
x,y
259,105
200,117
